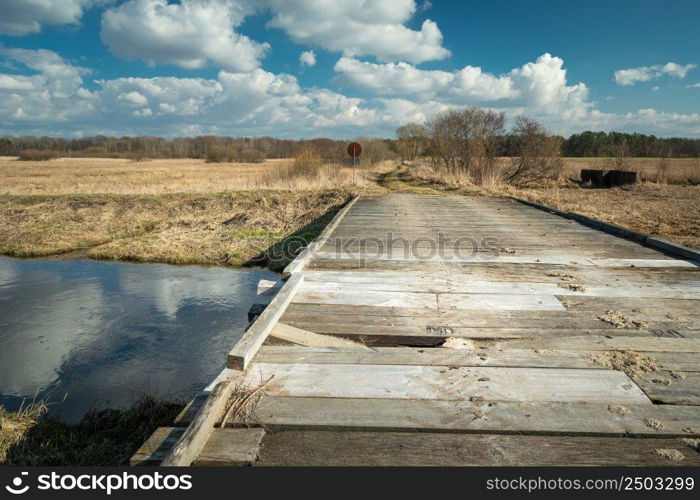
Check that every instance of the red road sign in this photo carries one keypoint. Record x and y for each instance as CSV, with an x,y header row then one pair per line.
x,y
354,149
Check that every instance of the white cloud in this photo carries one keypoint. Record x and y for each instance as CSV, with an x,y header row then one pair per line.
x,y
539,86
307,58
188,34
360,28
693,85
55,101
646,73
20,17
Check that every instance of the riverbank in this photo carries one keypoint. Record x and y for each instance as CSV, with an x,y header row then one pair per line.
x,y
30,437
228,229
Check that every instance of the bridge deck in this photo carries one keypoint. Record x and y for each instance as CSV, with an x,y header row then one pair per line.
x,y
458,330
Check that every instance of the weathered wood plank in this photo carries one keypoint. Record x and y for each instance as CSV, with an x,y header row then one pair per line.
x,y
674,388
476,356
323,448
542,418
158,445
448,383
191,442
248,345
306,338
231,448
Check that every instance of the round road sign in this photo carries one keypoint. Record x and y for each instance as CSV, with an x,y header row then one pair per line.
x,y
354,149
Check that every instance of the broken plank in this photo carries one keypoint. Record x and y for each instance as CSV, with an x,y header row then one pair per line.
x,y
306,338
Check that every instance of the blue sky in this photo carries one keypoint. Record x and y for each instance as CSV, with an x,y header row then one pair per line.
x,y
235,67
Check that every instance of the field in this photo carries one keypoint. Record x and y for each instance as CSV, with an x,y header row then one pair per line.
x,y
120,176
172,211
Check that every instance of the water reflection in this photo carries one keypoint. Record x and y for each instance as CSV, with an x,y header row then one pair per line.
x,y
102,332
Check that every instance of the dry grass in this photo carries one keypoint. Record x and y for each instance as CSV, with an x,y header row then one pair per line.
x,y
120,176
226,229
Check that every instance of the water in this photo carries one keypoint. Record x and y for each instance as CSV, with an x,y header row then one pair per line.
x,y
98,334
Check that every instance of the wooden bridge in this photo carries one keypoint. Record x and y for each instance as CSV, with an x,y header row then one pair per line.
x,y
451,330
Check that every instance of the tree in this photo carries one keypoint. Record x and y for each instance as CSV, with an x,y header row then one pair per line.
x,y
413,138
466,142
538,156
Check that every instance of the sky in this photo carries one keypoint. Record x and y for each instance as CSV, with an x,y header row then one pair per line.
x,y
344,68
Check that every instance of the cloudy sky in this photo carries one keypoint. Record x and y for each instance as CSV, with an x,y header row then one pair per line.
x,y
343,68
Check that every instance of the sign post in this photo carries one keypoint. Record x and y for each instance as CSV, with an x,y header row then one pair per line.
x,y
354,150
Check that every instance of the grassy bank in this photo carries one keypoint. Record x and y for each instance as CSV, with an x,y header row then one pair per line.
x,y
108,437
225,229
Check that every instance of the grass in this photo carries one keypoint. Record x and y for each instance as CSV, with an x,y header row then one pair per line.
x,y
30,437
65,176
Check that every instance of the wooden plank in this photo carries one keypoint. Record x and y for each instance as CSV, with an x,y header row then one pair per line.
x,y
467,285
502,302
190,444
673,388
537,418
231,448
158,445
324,448
476,356
447,383
306,338
592,343
250,342
384,299
189,412
226,447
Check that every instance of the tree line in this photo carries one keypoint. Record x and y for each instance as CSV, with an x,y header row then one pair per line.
x,y
410,143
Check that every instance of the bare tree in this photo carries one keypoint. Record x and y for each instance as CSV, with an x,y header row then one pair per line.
x,y
620,154
466,142
413,138
538,156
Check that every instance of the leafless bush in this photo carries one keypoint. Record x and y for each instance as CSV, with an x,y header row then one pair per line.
x,y
466,142
251,156
413,140
37,155
620,156
538,158
374,151
662,168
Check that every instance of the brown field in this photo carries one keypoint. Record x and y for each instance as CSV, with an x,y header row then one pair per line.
x,y
121,176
